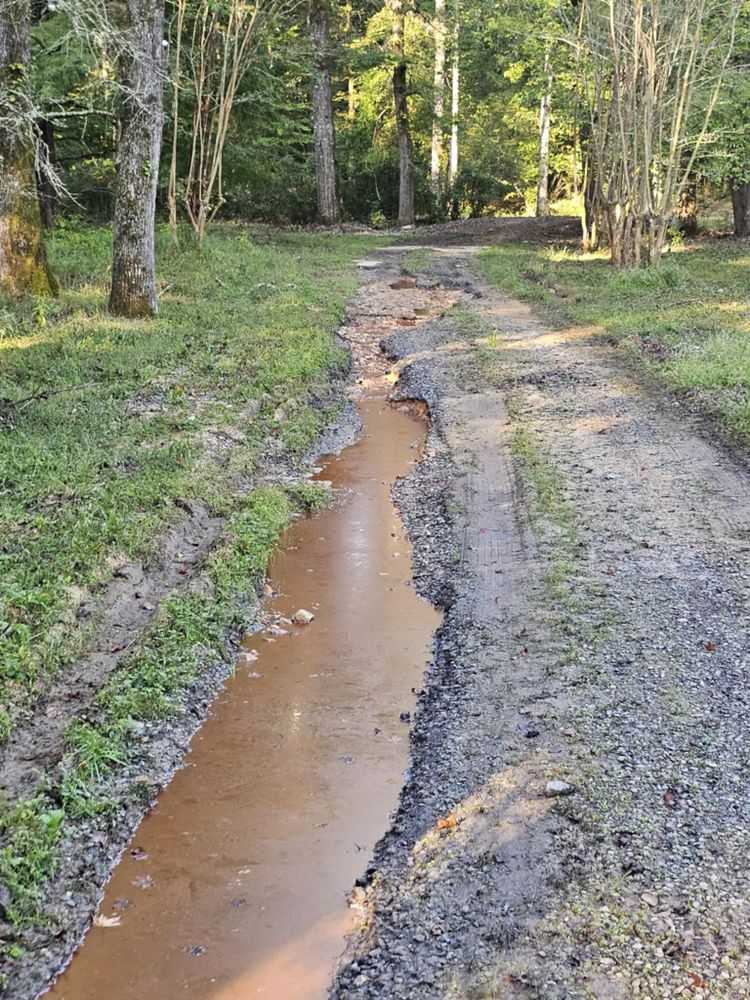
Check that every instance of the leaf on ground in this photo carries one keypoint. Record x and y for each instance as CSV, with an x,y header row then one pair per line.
x,y
671,798
710,646
101,921
447,822
698,980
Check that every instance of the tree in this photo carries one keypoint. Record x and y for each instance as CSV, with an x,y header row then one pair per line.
x,y
438,99
23,261
133,290
405,148
329,206
453,163
654,70
214,49
542,193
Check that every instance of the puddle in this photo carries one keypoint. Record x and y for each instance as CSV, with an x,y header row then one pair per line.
x,y
234,886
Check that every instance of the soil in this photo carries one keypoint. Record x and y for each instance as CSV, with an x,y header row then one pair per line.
x,y
575,817
628,689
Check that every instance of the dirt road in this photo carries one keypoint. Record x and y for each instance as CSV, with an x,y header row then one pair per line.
x,y
575,820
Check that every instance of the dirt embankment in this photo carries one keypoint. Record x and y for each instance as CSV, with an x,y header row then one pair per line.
x,y
575,816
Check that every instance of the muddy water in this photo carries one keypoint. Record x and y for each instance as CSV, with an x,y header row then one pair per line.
x,y
234,886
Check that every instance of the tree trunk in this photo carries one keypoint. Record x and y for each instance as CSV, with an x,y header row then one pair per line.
x,y
741,207
542,194
438,100
687,211
318,19
23,261
142,118
405,152
45,187
453,164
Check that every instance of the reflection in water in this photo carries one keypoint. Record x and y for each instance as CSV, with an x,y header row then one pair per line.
x,y
238,889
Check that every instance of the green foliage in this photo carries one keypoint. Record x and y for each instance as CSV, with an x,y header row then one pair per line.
x,y
30,833
91,473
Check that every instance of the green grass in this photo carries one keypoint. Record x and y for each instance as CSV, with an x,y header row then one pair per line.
x,y
243,344
89,476
686,321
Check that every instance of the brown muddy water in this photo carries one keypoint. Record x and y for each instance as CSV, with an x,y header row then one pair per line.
x,y
235,885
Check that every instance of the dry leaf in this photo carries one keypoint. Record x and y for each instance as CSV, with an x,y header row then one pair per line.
x,y
448,822
698,980
101,921
711,647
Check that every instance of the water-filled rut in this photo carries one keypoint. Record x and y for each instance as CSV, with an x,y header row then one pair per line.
x,y
235,884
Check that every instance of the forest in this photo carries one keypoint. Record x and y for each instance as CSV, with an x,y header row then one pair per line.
x,y
374,500
375,114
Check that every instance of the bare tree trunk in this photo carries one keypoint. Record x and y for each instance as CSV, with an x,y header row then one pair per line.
x,y
741,208
44,186
687,210
453,164
542,194
23,262
318,19
142,75
405,151
438,101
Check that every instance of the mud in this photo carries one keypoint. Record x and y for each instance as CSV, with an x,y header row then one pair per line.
x,y
128,604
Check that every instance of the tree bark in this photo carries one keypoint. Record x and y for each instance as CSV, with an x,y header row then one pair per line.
x,y
741,207
542,194
44,186
453,164
405,150
438,100
324,131
23,261
687,210
142,76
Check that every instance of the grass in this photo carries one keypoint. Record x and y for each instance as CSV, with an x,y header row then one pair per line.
x,y
89,476
243,346
686,321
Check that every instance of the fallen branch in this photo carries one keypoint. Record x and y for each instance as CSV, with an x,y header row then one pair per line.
x,y
9,406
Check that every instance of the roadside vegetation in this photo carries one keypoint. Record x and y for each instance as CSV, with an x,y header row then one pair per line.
x,y
110,427
685,322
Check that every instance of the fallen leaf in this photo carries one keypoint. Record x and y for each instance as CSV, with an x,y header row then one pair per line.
x,y
101,921
448,822
138,854
671,798
711,647
698,980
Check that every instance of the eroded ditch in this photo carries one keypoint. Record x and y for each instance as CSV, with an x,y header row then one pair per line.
x,y
235,884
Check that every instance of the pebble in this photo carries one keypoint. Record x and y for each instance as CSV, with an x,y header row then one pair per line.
x,y
557,787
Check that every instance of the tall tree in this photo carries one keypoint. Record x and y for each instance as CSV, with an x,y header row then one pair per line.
x,y
438,98
324,130
141,122
545,112
455,94
405,148
23,262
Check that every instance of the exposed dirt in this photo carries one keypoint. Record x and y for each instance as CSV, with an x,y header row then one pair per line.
x,y
602,646
122,612
608,651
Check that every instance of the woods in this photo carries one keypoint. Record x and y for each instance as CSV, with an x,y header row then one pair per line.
x,y
359,112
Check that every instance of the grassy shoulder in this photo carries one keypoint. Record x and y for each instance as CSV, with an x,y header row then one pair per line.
x,y
105,423
686,321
